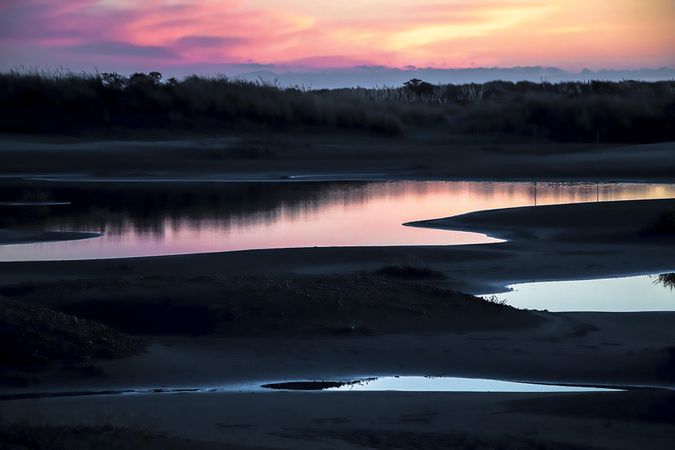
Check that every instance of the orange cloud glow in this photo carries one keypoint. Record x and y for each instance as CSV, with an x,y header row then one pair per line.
x,y
316,33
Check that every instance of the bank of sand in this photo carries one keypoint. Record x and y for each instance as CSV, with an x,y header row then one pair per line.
x,y
9,237
422,155
283,335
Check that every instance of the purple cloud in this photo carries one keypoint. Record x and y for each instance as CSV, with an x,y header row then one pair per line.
x,y
209,41
117,48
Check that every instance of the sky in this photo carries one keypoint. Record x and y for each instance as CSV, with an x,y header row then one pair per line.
x,y
319,34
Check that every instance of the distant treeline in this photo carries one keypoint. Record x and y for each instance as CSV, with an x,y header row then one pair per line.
x,y
596,111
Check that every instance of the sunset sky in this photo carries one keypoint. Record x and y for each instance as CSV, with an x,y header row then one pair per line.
x,y
110,34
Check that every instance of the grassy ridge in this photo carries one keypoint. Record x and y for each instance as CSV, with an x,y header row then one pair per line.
x,y
628,111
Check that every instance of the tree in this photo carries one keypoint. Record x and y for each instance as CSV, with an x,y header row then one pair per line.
x,y
113,80
140,79
419,87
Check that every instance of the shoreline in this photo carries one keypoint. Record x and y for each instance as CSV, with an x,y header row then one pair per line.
x,y
19,237
282,155
258,177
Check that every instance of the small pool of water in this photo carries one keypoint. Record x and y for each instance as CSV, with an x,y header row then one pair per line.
x,y
373,384
428,384
638,293
147,219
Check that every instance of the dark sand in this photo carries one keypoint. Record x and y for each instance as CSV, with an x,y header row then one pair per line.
x,y
385,420
421,155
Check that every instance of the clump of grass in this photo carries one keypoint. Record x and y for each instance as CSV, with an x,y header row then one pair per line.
x,y
666,280
495,300
33,335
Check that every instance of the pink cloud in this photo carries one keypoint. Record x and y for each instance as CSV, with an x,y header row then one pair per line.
x,y
506,32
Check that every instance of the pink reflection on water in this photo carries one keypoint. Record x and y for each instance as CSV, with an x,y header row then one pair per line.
x,y
358,215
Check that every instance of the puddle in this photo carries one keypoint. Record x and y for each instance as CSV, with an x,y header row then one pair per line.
x,y
428,384
626,294
374,384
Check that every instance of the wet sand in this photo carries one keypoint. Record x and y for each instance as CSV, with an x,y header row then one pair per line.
x,y
545,243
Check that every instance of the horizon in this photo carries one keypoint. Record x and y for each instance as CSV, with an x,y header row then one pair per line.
x,y
373,77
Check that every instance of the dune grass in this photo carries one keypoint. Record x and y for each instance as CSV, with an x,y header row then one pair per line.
x,y
34,336
596,111
666,280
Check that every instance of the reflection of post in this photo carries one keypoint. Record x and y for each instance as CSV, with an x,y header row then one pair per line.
x,y
597,191
535,193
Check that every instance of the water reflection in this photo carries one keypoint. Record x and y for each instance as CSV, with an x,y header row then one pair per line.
x,y
387,383
455,384
641,293
140,219
428,384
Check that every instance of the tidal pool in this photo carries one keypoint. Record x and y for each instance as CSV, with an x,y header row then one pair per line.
x,y
146,219
429,384
637,293
385,383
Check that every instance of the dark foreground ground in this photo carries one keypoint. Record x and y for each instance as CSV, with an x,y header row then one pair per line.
x,y
334,313
387,420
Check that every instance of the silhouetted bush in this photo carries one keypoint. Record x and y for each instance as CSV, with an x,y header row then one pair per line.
x,y
596,111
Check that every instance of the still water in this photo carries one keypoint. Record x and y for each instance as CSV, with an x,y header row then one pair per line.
x,y
431,384
143,219
640,293
386,383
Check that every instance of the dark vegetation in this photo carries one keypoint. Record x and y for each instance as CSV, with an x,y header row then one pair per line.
x,y
666,280
33,335
356,304
35,103
596,111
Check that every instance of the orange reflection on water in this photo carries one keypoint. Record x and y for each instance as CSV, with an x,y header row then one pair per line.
x,y
356,214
